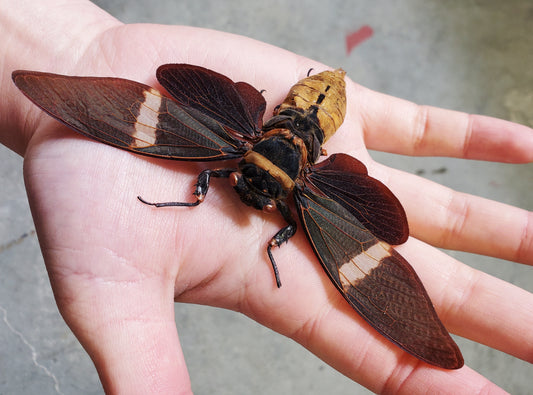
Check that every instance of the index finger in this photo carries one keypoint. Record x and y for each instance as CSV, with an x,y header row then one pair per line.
x,y
403,127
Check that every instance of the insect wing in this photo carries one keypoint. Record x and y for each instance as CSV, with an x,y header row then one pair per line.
x,y
376,281
238,106
128,115
346,180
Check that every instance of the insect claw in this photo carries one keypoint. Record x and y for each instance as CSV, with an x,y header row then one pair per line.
x,y
200,197
145,202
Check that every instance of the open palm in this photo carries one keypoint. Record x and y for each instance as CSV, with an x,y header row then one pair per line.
x,y
117,266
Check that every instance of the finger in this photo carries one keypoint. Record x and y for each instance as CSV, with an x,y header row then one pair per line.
x,y
460,221
132,340
382,367
324,323
399,126
473,304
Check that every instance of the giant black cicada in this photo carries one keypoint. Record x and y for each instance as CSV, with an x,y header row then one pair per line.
x,y
350,218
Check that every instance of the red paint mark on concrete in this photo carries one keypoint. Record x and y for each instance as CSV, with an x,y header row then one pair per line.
x,y
357,37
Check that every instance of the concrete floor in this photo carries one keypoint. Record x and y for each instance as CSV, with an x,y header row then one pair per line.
x,y
465,55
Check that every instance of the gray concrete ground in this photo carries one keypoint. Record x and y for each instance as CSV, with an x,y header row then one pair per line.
x,y
466,55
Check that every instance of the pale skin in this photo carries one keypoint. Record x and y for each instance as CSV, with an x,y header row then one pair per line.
x,y
117,266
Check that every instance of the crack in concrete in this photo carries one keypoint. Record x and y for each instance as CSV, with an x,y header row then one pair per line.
x,y
33,351
18,240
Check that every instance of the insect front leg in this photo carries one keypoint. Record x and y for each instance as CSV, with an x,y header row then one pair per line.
x,y
282,236
202,185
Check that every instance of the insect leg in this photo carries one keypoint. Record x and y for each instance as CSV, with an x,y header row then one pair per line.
x,y
202,185
282,236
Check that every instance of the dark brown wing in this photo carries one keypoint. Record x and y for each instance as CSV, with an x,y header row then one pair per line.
x,y
129,115
346,180
377,281
238,106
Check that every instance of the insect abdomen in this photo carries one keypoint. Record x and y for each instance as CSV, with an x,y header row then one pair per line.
x,y
322,95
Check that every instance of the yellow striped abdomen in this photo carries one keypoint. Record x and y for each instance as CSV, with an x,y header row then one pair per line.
x,y
324,93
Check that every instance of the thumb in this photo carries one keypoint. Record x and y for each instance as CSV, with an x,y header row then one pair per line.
x,y
132,340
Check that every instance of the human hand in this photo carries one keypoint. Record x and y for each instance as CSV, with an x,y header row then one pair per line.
x,y
116,265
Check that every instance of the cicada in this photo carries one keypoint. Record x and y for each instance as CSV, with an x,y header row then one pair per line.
x,y
350,219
